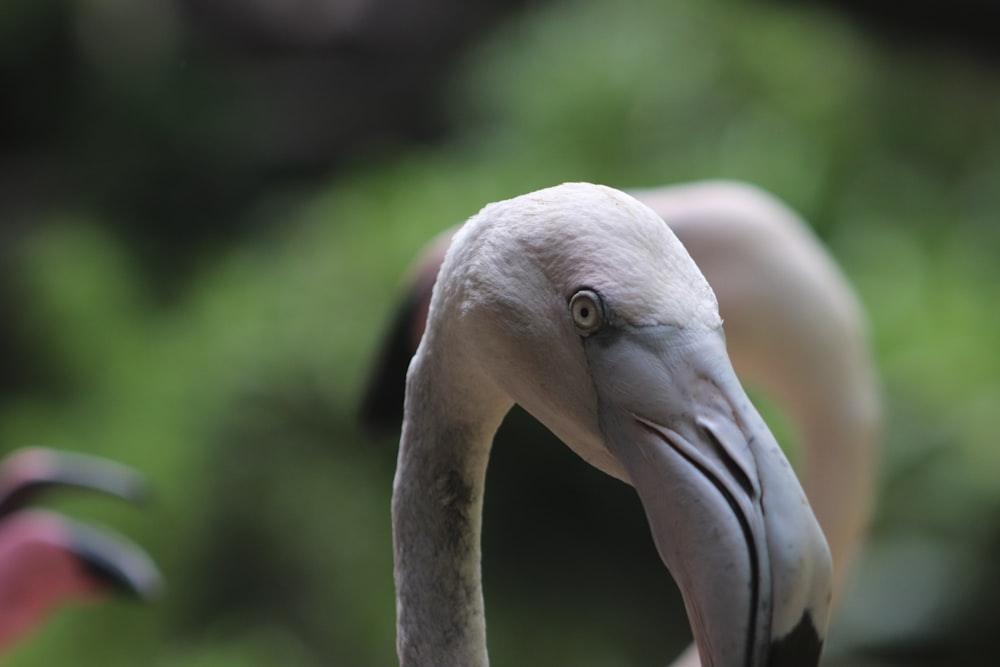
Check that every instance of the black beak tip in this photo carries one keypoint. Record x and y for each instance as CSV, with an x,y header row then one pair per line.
x,y
799,648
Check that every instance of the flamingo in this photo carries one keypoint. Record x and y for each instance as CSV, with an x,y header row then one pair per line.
x,y
48,560
794,329
578,303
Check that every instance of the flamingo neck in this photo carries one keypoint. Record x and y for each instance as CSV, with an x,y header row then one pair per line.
x,y
449,423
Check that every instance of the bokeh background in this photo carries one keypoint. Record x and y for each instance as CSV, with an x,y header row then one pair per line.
x,y
206,207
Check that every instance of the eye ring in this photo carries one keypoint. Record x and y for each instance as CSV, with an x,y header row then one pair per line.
x,y
587,311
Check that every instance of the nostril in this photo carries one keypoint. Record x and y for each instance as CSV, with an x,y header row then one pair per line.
x,y
737,471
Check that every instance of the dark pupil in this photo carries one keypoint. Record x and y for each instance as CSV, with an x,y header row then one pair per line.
x,y
584,312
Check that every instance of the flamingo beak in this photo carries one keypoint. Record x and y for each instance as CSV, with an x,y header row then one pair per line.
x,y
110,561
113,562
727,514
30,472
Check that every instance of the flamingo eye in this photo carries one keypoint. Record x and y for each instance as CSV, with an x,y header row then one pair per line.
x,y
587,311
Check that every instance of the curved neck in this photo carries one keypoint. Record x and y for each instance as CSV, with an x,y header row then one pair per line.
x,y
843,445
448,427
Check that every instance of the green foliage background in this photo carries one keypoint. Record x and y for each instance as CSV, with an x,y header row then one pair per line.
x,y
236,398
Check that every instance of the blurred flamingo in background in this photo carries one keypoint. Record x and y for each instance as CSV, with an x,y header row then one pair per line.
x,y
48,560
794,329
